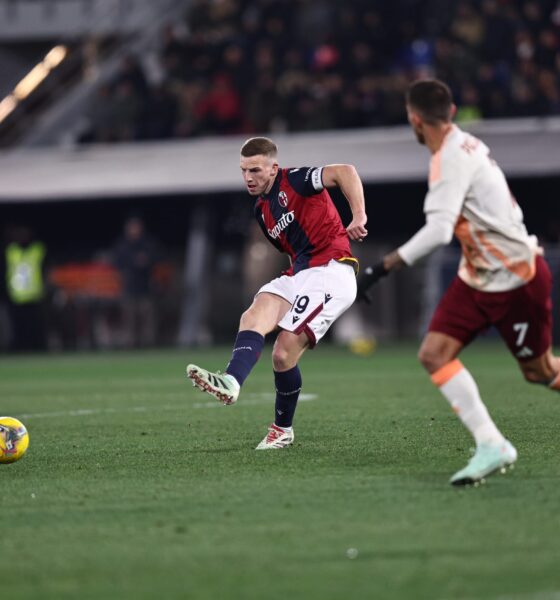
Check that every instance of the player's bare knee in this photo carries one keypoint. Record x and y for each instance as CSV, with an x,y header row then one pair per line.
x,y
248,320
533,375
431,359
281,358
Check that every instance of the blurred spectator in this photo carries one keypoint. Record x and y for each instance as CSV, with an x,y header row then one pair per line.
x,y
161,114
234,65
260,65
101,117
219,110
173,48
132,73
188,97
24,263
469,104
468,25
126,111
135,255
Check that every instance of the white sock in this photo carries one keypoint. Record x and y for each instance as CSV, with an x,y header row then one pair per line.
x,y
286,429
461,391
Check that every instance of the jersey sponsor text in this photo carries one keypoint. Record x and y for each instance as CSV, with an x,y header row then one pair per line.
x,y
284,221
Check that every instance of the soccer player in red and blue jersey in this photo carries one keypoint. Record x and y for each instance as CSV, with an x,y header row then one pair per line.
x,y
298,216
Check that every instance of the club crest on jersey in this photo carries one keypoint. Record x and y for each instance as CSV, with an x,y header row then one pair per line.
x,y
283,199
282,223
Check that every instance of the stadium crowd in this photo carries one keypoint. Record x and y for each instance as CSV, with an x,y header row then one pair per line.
x,y
240,66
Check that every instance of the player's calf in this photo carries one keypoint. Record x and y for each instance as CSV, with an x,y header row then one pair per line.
x,y
544,370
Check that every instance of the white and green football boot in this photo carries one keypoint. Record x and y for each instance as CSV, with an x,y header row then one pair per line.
x,y
487,459
222,386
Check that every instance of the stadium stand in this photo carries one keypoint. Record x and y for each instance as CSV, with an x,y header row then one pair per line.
x,y
236,66
182,69
181,83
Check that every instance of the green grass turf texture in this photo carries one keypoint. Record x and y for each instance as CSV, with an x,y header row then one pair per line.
x,y
136,485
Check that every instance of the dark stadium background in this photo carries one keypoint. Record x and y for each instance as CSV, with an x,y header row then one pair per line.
x,y
394,211
82,229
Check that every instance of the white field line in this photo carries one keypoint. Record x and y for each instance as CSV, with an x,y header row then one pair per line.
x,y
252,400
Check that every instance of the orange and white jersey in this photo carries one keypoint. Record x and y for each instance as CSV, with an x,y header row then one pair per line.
x,y
468,194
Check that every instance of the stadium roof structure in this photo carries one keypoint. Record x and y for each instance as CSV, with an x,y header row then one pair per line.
x,y
523,147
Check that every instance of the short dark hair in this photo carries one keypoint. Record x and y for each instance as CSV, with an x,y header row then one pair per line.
x,y
432,99
259,145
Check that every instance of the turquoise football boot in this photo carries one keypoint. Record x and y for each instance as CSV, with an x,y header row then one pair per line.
x,y
487,459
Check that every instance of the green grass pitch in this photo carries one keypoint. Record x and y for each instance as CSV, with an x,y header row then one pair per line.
x,y
137,486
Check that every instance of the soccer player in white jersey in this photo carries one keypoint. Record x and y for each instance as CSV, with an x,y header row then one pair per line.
x,y
503,280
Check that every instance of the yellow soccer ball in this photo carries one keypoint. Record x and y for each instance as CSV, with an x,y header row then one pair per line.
x,y
363,346
14,440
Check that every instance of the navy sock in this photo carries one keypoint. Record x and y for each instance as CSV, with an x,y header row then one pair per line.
x,y
288,387
246,351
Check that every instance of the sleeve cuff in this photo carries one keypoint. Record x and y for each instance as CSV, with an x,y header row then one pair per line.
x,y
406,255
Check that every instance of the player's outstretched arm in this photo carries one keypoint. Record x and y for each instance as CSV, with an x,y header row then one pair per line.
x,y
437,232
347,179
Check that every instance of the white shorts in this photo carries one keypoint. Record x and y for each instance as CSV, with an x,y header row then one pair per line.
x,y
318,296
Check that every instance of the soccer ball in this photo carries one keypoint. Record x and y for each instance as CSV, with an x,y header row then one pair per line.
x,y
14,440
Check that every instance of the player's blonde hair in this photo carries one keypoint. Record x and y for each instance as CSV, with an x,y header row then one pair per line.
x,y
259,146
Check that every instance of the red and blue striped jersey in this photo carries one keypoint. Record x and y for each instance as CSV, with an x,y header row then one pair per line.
x,y
299,217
